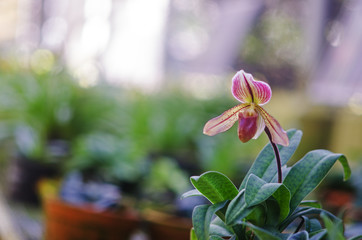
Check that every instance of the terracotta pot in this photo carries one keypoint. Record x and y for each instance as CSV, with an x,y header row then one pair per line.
x,y
162,226
337,200
68,222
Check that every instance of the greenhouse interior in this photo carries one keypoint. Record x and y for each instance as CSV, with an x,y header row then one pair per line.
x,y
117,119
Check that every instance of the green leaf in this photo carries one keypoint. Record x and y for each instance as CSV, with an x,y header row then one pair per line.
x,y
265,164
191,193
303,235
219,228
282,196
334,228
310,203
261,233
301,212
359,237
318,235
306,174
215,237
193,234
258,215
272,213
215,186
257,190
237,210
201,219
311,225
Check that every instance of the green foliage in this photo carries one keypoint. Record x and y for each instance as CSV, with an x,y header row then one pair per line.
x,y
215,186
305,175
40,107
202,217
106,157
165,175
263,209
264,166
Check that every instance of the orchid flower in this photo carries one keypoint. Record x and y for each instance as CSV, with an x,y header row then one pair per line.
x,y
253,119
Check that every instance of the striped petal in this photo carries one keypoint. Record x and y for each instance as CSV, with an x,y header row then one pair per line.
x,y
279,136
225,121
247,90
260,127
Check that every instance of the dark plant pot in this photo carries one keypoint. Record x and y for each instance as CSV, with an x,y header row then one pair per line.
x,y
68,222
23,176
163,226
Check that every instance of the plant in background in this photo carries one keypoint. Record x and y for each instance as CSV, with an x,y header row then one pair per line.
x,y
164,182
44,114
269,204
36,109
106,157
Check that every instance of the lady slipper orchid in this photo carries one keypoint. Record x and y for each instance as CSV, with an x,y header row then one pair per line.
x,y
253,119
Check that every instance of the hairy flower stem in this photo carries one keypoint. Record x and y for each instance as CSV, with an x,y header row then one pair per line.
x,y
277,155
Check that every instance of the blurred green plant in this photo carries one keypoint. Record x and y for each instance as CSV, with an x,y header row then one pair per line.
x,y
37,108
164,182
106,157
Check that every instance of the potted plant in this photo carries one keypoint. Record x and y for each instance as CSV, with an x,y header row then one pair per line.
x,y
91,201
88,210
36,113
269,203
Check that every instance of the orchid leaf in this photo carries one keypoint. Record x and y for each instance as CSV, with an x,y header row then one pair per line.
x,y
311,225
215,186
359,237
282,196
191,193
303,235
201,219
263,234
219,228
265,164
306,174
258,215
193,234
273,213
310,203
237,210
318,235
334,228
215,237
257,190
302,212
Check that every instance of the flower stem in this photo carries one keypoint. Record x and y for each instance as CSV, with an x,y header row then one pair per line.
x,y
277,155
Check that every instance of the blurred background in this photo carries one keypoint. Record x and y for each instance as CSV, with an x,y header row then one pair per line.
x,y
118,91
